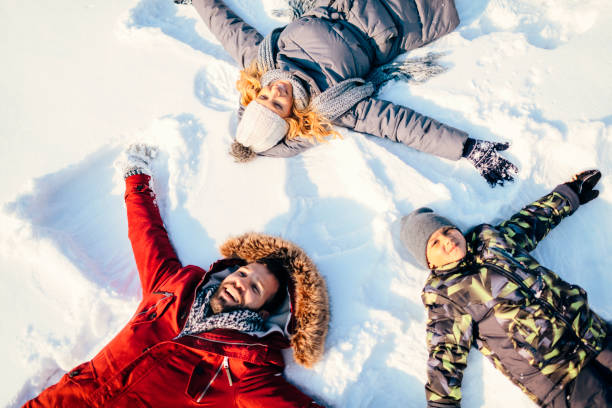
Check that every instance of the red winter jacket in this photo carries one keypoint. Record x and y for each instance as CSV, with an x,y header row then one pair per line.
x,y
144,367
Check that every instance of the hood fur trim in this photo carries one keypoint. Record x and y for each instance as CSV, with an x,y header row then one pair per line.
x,y
310,301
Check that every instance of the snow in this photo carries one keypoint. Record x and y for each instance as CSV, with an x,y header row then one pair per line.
x,y
81,80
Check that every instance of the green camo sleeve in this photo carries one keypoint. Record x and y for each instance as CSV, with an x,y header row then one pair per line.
x,y
449,338
530,225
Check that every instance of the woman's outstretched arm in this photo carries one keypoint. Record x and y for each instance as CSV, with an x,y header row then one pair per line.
x,y
385,119
401,124
238,38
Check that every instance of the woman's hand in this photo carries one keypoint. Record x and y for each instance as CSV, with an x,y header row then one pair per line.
x,y
493,167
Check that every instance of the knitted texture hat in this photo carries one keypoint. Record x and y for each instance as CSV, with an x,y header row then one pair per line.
x,y
300,94
417,227
260,128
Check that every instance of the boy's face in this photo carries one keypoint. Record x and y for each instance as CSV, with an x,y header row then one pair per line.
x,y
446,245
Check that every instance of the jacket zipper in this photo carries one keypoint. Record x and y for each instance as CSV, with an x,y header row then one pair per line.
x,y
544,303
224,364
227,371
166,295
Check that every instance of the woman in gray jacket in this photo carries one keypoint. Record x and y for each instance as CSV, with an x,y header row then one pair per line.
x,y
325,67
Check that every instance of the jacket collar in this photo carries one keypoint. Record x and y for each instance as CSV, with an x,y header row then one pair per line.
x,y
308,308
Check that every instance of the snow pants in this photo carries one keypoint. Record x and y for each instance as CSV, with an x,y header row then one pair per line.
x,y
593,386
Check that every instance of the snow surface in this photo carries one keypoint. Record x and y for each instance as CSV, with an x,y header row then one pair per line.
x,y
82,79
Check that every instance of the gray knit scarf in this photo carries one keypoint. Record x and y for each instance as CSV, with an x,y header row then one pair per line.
x,y
339,98
201,319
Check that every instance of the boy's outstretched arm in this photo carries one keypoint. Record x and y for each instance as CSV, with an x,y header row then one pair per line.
x,y
530,225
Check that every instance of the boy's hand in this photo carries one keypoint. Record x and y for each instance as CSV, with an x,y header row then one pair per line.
x,y
583,184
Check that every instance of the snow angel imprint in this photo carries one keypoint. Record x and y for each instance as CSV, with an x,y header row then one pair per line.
x,y
325,68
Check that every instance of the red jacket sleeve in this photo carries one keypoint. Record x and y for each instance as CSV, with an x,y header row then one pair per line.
x,y
155,257
266,389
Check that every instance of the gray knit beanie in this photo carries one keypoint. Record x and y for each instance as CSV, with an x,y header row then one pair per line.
x,y
417,227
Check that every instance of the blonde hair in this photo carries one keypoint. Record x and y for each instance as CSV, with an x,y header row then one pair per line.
x,y
306,123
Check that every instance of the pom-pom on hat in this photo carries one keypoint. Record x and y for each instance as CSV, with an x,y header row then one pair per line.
x,y
417,227
260,128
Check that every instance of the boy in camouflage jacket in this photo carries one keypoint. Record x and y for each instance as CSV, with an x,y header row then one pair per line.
x,y
485,287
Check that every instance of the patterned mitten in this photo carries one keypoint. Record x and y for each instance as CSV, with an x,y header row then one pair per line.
x,y
183,2
494,168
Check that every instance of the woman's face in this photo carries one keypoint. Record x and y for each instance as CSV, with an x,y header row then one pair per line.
x,y
278,97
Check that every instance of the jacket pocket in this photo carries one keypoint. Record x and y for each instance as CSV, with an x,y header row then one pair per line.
x,y
204,375
130,401
155,306
537,336
82,380
82,372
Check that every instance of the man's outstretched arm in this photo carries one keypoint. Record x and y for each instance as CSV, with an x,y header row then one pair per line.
x,y
155,257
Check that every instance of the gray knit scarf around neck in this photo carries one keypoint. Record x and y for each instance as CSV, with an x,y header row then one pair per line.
x,y
339,98
201,319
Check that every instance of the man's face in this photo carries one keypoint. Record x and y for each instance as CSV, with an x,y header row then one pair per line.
x,y
278,97
250,287
446,245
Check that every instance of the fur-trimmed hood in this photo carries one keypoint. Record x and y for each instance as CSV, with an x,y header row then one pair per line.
x,y
309,299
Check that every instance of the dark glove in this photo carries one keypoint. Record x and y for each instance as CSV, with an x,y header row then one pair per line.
x,y
483,155
583,184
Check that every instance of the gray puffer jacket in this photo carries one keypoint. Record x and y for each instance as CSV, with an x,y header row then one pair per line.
x,y
341,39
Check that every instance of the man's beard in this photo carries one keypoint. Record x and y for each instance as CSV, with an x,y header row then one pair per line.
x,y
218,305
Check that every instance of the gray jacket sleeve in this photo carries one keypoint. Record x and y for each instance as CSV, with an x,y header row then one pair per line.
x,y
385,119
288,148
238,38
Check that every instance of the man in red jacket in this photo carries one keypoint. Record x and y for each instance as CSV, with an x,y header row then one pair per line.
x,y
203,338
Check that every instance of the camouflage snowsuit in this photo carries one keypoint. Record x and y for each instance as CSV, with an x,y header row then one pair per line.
x,y
536,328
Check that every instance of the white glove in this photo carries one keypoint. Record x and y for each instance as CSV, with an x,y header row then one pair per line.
x,y
137,159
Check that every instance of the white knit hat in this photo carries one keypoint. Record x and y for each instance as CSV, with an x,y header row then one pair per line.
x,y
260,128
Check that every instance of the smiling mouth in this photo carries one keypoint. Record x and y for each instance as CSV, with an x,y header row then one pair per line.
x,y
453,248
230,295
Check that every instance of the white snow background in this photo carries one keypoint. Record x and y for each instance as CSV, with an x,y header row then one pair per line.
x,y
80,80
